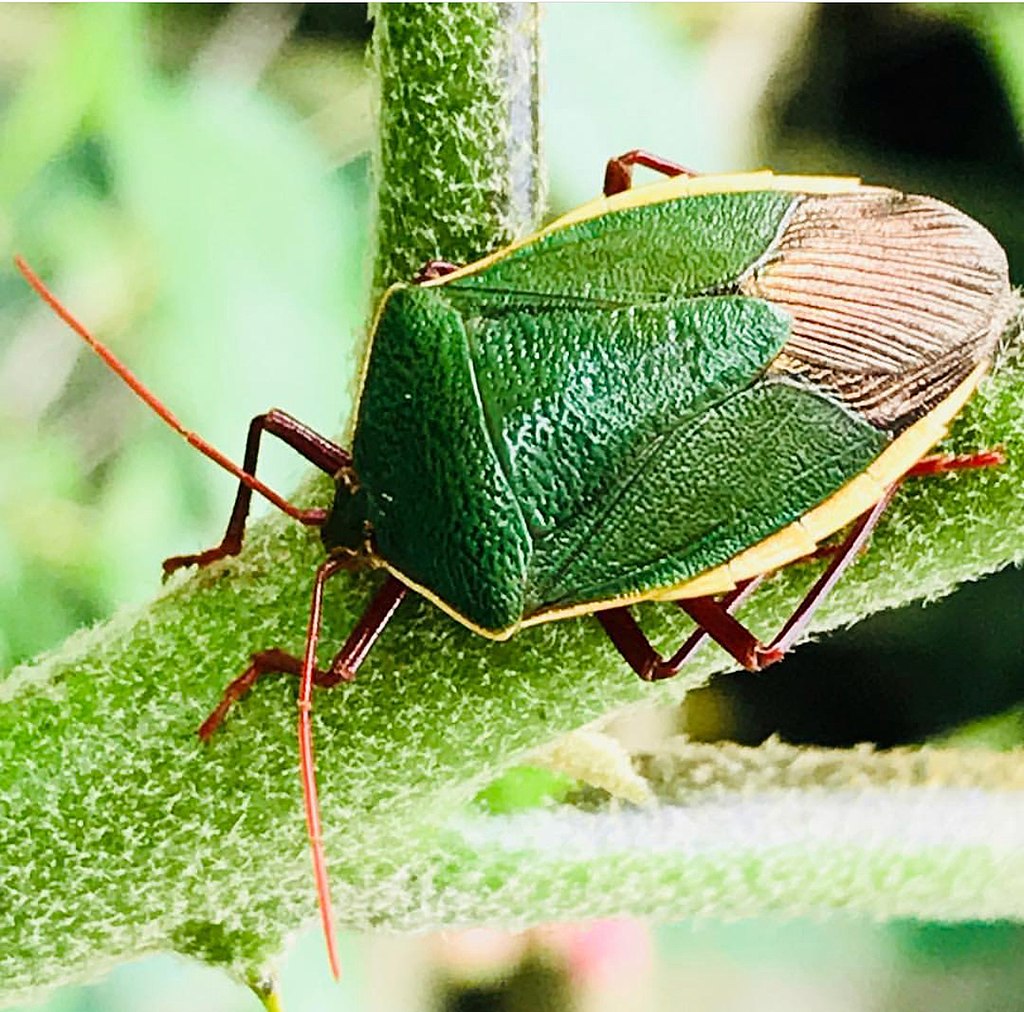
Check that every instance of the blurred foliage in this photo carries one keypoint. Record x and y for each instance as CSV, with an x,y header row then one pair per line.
x,y
189,178
524,787
199,225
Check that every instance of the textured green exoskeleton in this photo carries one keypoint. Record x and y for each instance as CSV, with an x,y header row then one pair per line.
x,y
639,394
666,394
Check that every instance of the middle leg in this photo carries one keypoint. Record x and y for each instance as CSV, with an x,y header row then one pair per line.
x,y
342,668
629,639
714,617
434,269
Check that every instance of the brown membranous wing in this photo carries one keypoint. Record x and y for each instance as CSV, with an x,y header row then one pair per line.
x,y
895,299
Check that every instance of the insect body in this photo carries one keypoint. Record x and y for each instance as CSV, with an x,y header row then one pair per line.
x,y
666,394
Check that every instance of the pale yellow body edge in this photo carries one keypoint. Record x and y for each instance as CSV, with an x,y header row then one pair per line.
x,y
793,542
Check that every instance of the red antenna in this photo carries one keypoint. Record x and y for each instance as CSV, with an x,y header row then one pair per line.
x,y
307,768
307,669
141,391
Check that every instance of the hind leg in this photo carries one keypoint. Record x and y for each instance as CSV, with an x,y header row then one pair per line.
x,y
618,173
625,633
714,617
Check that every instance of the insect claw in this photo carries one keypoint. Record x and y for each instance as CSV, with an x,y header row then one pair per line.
x,y
764,657
200,559
171,565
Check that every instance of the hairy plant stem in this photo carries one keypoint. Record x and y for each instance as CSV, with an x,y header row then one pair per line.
x,y
458,156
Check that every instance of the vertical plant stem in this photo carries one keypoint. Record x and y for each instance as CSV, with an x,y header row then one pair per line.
x,y
120,832
458,156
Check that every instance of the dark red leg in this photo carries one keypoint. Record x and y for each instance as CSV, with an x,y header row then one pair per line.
x,y
714,617
434,269
746,648
940,463
857,539
943,463
320,452
630,641
342,668
846,554
618,173
730,602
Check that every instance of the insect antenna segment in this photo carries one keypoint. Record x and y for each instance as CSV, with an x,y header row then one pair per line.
x,y
145,394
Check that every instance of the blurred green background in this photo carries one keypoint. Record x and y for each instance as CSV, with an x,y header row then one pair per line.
x,y
193,181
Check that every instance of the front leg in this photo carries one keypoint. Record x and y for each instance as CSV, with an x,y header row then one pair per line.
x,y
318,450
342,668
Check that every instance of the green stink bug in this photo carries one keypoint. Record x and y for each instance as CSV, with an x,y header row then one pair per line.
x,y
664,395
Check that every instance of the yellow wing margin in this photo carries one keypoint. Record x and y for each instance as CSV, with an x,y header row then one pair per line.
x,y
661,191
802,537
843,507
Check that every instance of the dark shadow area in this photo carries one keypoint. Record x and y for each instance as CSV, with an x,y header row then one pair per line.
x,y
893,679
902,81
